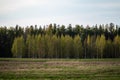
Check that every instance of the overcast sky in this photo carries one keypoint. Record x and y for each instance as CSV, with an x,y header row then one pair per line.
x,y
42,12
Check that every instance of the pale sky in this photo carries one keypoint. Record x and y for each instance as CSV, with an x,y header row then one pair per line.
x,y
43,12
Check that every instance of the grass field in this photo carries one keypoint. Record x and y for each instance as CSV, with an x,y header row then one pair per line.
x,y
59,69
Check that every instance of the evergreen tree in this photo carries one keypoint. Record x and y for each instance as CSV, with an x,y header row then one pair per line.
x,y
56,41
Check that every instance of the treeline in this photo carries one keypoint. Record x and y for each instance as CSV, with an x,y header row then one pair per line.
x,y
55,41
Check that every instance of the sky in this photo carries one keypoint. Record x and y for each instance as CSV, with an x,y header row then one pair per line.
x,y
44,12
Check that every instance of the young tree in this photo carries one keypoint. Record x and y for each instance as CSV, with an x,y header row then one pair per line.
x,y
46,42
69,52
38,46
43,47
89,42
62,48
18,47
15,48
29,45
109,49
35,46
85,48
117,46
78,49
53,47
97,43
102,45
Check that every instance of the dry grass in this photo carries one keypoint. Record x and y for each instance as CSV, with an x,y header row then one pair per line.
x,y
60,69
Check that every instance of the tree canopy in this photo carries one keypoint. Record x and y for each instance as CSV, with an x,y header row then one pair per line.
x,y
60,41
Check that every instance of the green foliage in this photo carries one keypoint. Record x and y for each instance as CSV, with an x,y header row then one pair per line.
x,y
117,46
109,49
59,41
78,49
97,43
18,47
102,45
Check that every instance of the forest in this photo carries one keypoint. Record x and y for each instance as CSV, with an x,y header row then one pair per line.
x,y
60,41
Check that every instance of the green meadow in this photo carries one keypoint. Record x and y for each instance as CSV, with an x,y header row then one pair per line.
x,y
59,69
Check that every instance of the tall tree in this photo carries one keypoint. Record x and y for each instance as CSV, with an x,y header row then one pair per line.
x,y
29,45
78,49
69,47
62,48
102,45
117,46
89,42
18,47
109,50
38,46
97,43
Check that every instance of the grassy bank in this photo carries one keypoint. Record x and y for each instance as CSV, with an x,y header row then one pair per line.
x,y
59,69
